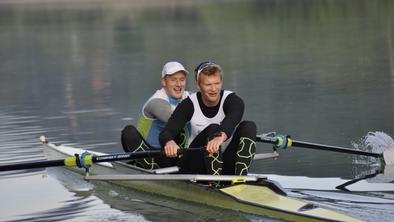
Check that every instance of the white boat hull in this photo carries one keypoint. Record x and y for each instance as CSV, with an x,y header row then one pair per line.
x,y
252,198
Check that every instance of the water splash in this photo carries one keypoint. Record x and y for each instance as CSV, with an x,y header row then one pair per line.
x,y
379,141
376,142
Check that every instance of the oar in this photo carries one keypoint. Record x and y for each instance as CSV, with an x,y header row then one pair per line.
x,y
348,183
387,155
86,159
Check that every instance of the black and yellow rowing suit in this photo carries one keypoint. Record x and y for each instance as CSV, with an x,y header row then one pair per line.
x,y
225,117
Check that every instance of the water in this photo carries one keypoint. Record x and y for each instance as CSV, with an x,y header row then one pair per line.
x,y
79,71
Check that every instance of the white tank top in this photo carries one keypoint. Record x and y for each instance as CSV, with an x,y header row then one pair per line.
x,y
199,121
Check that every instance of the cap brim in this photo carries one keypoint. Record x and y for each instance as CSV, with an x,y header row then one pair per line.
x,y
181,70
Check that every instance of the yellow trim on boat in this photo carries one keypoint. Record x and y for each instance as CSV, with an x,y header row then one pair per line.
x,y
267,198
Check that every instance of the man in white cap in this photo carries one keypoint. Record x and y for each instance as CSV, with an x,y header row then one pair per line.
x,y
155,114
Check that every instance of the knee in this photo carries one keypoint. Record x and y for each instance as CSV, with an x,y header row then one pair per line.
x,y
212,128
130,138
248,129
129,131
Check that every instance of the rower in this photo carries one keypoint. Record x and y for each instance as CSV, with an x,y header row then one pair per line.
x,y
215,117
155,113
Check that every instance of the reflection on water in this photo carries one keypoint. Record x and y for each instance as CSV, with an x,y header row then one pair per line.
x,y
102,201
13,148
79,71
153,207
44,199
34,195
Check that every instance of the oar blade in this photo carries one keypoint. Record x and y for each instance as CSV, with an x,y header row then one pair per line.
x,y
388,156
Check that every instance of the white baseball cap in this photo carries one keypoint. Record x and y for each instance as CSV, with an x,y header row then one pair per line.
x,y
172,67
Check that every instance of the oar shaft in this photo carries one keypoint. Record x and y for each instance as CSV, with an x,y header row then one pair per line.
x,y
72,161
266,139
127,156
137,155
316,146
32,165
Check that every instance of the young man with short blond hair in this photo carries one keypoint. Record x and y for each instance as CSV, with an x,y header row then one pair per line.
x,y
215,118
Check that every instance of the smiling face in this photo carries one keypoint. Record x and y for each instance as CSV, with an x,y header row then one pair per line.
x,y
174,84
210,87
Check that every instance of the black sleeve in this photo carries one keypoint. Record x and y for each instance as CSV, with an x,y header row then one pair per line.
x,y
179,118
234,108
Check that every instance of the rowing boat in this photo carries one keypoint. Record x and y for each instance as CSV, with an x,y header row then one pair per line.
x,y
250,194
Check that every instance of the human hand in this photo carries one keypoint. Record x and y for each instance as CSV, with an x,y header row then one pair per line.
x,y
213,145
171,149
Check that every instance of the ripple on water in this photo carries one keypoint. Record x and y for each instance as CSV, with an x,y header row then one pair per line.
x,y
19,143
70,198
37,196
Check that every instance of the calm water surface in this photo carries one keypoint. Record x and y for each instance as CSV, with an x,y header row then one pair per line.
x,y
78,72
